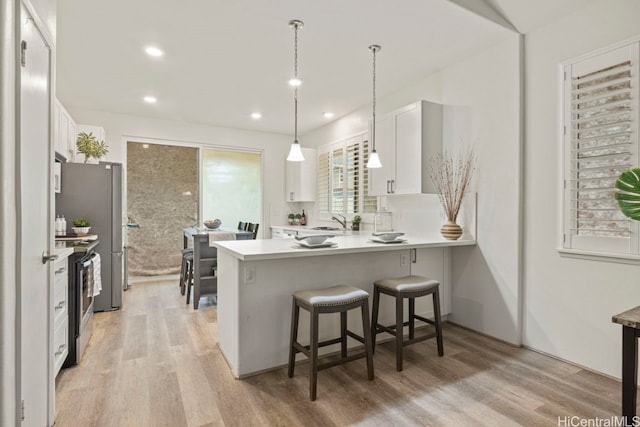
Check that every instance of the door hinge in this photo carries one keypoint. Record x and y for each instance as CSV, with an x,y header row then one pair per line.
x,y
22,410
23,53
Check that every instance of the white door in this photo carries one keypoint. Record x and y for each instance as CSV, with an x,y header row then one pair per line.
x,y
35,194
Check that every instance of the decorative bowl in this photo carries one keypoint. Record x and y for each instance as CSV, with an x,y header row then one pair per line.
x,y
387,237
212,224
80,231
315,239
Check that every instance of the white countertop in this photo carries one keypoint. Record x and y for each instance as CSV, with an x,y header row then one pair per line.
x,y
262,249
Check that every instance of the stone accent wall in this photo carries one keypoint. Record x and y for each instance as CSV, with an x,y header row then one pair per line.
x,y
162,195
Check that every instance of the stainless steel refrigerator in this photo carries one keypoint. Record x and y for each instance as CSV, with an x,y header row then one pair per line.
x,y
94,191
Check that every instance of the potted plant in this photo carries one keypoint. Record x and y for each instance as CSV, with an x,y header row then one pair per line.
x,y
297,219
81,226
452,177
629,197
355,223
89,145
291,218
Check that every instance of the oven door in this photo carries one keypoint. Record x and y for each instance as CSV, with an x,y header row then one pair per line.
x,y
85,280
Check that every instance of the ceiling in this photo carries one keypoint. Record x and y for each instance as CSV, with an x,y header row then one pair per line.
x,y
226,59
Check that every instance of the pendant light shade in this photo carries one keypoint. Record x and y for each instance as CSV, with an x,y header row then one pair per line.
x,y
295,153
374,159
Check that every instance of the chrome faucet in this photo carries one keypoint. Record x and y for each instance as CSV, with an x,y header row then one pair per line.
x,y
343,223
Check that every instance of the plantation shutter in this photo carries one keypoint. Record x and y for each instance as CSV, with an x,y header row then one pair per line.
x,y
369,203
601,141
324,181
353,166
337,180
343,179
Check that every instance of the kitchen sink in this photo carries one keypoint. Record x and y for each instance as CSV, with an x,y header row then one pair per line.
x,y
326,228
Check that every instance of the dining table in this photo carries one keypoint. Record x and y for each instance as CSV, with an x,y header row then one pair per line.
x,y
205,257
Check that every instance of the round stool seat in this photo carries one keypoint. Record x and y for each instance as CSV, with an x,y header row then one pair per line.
x,y
408,283
332,296
187,251
188,256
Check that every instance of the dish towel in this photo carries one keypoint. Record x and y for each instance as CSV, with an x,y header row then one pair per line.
x,y
220,235
97,277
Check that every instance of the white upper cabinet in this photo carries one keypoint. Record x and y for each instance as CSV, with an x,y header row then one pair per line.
x,y
300,180
406,140
64,132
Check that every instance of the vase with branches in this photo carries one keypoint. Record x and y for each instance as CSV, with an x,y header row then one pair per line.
x,y
451,176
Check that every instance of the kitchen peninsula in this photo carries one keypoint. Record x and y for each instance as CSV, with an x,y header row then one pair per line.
x,y
257,277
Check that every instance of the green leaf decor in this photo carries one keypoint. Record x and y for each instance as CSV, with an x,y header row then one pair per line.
x,y
629,196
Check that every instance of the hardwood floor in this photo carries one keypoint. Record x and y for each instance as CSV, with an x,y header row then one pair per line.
x,y
156,363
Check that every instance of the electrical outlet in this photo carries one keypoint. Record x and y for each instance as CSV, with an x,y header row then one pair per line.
x,y
250,274
404,260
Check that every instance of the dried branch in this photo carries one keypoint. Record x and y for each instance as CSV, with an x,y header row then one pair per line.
x,y
452,176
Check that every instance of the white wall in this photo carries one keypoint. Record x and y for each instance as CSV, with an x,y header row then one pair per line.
x,y
568,302
119,128
486,285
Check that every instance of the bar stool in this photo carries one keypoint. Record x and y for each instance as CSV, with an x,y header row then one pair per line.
x,y
335,299
186,269
407,287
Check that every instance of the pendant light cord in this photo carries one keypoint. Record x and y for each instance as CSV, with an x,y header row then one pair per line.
x,y
295,91
373,126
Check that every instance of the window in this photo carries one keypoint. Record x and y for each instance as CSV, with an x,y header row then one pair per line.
x,y
600,142
343,179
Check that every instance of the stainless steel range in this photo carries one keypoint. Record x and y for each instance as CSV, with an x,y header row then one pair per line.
x,y
81,284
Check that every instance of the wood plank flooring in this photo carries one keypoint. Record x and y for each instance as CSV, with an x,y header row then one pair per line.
x,y
156,363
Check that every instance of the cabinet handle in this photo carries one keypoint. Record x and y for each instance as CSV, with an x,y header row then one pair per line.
x,y
388,182
60,270
393,181
414,256
60,350
60,305
291,195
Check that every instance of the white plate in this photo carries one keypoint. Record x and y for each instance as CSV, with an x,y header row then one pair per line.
x,y
373,239
303,244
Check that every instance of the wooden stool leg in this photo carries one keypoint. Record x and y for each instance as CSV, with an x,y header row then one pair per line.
x,y
367,338
295,315
412,313
399,331
438,321
374,318
313,353
343,334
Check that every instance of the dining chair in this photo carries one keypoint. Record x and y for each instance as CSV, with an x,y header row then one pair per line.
x,y
253,228
241,226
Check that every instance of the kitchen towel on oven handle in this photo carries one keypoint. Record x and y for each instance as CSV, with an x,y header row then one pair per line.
x,y
97,277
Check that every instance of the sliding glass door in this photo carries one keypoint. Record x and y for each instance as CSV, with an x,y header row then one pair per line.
x,y
231,186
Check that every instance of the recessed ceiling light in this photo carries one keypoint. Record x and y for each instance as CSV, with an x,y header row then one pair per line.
x,y
327,114
145,145
256,116
295,82
153,51
150,99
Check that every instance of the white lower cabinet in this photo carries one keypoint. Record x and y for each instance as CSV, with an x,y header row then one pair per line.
x,y
434,263
60,313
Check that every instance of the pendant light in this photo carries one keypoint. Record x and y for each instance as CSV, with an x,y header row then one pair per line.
x,y
374,160
295,153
